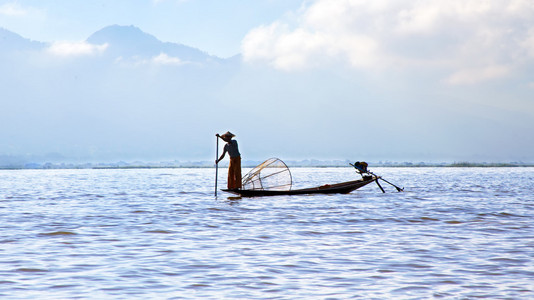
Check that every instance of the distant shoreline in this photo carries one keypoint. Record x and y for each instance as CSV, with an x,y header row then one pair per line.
x,y
251,164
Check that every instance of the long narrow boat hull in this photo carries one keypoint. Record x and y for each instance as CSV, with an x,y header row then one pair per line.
x,y
338,188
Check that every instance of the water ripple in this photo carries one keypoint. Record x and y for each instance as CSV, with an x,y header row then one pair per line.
x,y
455,233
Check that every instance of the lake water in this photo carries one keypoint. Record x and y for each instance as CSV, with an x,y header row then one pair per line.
x,y
455,233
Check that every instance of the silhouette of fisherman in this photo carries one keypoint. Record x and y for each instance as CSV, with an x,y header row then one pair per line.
x,y
234,169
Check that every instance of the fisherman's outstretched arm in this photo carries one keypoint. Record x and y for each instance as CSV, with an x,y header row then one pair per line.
x,y
222,156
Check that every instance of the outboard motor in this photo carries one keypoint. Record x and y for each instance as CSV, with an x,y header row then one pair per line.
x,y
361,167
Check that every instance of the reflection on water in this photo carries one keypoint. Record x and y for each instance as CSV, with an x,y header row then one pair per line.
x,y
453,233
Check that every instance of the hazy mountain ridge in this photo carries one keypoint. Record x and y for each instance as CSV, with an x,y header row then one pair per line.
x,y
128,41
10,41
121,42
126,101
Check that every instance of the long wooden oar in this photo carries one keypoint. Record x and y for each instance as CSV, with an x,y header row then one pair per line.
x,y
378,183
398,188
216,163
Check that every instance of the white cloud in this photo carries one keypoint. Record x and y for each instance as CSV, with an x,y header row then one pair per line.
x,y
12,9
476,75
76,48
161,1
164,59
473,40
300,48
528,43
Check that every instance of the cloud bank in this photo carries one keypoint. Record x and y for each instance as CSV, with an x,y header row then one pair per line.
x,y
469,41
124,95
76,48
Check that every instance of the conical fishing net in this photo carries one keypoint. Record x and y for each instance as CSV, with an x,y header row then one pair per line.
x,y
272,174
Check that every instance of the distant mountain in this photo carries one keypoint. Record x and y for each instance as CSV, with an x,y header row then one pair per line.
x,y
122,41
131,96
11,41
130,41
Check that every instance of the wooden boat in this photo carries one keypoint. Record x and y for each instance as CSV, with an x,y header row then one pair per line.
x,y
338,188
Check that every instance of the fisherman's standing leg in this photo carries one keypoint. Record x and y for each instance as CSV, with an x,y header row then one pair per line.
x,y
230,182
234,173
231,175
237,172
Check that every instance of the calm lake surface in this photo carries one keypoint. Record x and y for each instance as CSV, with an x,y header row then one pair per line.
x,y
455,233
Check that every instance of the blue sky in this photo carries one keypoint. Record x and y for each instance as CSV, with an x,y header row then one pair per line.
x,y
213,26
327,79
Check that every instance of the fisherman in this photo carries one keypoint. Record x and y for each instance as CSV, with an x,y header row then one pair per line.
x,y
234,169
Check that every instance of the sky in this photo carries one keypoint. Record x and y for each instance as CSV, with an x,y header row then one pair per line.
x,y
213,26
324,79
